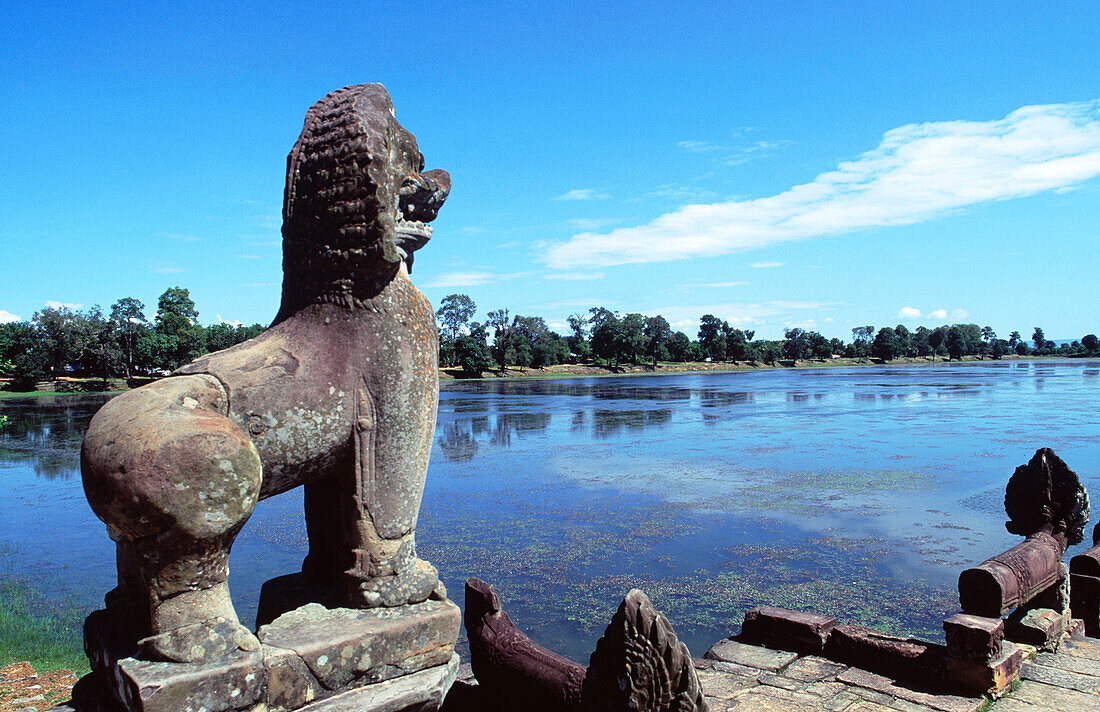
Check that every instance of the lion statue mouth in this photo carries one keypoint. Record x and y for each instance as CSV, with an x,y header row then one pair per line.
x,y
419,199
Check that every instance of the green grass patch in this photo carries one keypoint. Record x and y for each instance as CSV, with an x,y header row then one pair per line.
x,y
49,636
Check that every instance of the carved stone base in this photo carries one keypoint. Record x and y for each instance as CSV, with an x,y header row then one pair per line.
x,y
311,658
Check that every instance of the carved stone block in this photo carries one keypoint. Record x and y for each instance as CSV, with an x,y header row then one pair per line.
x,y
991,676
789,630
345,647
1041,627
885,654
421,691
235,682
973,638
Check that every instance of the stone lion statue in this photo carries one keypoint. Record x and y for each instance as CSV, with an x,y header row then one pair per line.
x,y
339,395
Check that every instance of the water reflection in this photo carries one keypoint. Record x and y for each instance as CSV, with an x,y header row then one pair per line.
x,y
45,433
457,443
607,423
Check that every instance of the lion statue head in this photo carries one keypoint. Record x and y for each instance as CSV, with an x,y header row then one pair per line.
x,y
357,201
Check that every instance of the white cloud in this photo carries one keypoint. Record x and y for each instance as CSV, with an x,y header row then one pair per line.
x,y
178,237
583,194
592,223
909,313
766,265
723,285
462,279
938,314
918,172
574,276
960,314
167,268
63,305
6,317
743,313
230,322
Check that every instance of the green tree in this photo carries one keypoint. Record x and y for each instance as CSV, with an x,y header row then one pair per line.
x,y
472,354
632,341
1090,343
712,337
861,340
182,339
498,320
657,333
1014,338
1039,339
606,333
128,317
679,347
796,344
578,339
454,314
885,346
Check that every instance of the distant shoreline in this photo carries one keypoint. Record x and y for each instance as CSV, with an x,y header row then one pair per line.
x,y
672,368
455,375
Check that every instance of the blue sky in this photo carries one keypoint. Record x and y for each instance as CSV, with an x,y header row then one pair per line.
x,y
822,165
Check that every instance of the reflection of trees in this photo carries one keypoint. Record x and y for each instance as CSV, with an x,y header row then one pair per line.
x,y
650,393
457,442
606,423
509,423
712,399
45,433
722,399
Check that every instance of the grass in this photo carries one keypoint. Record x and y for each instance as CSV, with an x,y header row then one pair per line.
x,y
46,634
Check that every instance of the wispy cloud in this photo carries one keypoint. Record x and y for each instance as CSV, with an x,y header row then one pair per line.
x,y
462,279
592,223
960,314
766,265
6,317
167,268
735,154
938,314
583,194
51,304
179,237
723,285
745,313
918,172
576,276
677,194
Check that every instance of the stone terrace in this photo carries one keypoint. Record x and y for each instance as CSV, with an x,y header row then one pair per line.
x,y
749,678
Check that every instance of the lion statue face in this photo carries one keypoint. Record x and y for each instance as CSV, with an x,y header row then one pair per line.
x,y
357,200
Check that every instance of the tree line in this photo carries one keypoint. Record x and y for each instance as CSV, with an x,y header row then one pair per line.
x,y
123,343
601,335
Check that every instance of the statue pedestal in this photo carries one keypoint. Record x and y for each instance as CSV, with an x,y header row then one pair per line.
x,y
311,658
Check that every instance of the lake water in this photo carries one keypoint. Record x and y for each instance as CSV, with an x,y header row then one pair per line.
x,y
856,492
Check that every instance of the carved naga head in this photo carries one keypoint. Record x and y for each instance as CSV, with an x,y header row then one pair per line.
x,y
357,200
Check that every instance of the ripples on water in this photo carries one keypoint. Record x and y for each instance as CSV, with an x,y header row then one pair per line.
x,y
857,492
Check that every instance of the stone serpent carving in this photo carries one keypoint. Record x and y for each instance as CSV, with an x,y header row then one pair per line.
x,y
638,665
338,395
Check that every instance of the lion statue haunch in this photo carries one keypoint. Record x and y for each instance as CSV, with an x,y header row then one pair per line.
x,y
338,395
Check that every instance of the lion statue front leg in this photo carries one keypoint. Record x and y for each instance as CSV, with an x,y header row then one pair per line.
x,y
174,480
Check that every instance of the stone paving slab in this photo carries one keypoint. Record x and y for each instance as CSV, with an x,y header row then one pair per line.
x,y
737,677
1040,694
731,651
1060,678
